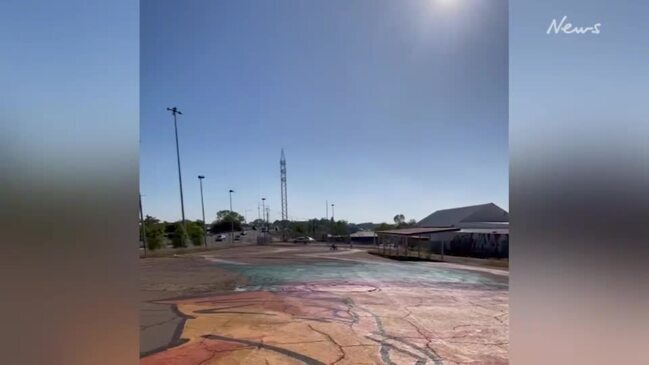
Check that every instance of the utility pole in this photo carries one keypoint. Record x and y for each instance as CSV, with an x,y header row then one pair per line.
x,y
200,180
231,219
332,229
268,217
175,112
282,169
142,224
326,209
263,229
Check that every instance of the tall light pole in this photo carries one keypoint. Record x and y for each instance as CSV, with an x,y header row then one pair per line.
x,y
175,112
333,220
231,219
200,180
326,209
263,210
284,190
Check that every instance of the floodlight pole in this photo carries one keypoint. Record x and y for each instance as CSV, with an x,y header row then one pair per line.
x,y
175,112
326,209
263,210
200,180
231,219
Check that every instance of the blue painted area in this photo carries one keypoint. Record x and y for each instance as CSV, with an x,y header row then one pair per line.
x,y
269,276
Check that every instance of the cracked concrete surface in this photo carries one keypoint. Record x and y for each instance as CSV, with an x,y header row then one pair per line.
x,y
305,305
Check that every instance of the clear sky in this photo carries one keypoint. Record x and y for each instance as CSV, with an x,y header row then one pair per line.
x,y
382,107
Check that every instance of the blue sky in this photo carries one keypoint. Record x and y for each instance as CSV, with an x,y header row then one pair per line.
x,y
382,107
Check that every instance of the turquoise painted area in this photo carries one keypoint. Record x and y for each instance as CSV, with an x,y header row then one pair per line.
x,y
269,276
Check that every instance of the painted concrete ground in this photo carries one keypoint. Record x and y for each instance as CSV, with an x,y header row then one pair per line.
x,y
311,306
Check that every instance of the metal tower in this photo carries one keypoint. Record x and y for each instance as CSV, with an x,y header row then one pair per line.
x,y
282,170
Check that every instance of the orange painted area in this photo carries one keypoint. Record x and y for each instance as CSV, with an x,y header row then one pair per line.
x,y
204,352
341,324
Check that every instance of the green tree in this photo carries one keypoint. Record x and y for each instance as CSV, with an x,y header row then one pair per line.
x,y
149,220
195,233
179,237
384,227
225,219
339,228
228,216
154,236
399,219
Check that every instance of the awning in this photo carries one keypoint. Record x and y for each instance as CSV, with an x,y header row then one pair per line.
x,y
417,231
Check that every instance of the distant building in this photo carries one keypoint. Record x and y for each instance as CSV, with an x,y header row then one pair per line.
x,y
363,237
483,216
477,230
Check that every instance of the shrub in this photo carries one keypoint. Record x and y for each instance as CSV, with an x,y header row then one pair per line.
x,y
154,236
179,236
195,232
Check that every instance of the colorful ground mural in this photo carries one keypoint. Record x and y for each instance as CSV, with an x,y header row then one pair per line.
x,y
343,308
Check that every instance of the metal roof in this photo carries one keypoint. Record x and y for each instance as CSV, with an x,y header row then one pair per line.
x,y
475,213
417,231
486,230
363,234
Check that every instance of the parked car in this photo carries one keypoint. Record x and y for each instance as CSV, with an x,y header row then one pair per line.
x,y
237,238
221,237
243,233
305,240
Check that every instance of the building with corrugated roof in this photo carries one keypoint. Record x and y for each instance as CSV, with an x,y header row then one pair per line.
x,y
476,230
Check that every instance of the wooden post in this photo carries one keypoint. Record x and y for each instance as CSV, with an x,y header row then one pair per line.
x,y
406,246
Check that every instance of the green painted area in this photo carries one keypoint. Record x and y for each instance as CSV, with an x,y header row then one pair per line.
x,y
270,276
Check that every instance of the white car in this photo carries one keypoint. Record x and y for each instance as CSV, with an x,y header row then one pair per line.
x,y
221,237
305,240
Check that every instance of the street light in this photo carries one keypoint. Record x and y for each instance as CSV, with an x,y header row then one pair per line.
x,y
200,180
175,112
263,211
333,220
231,219
327,209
